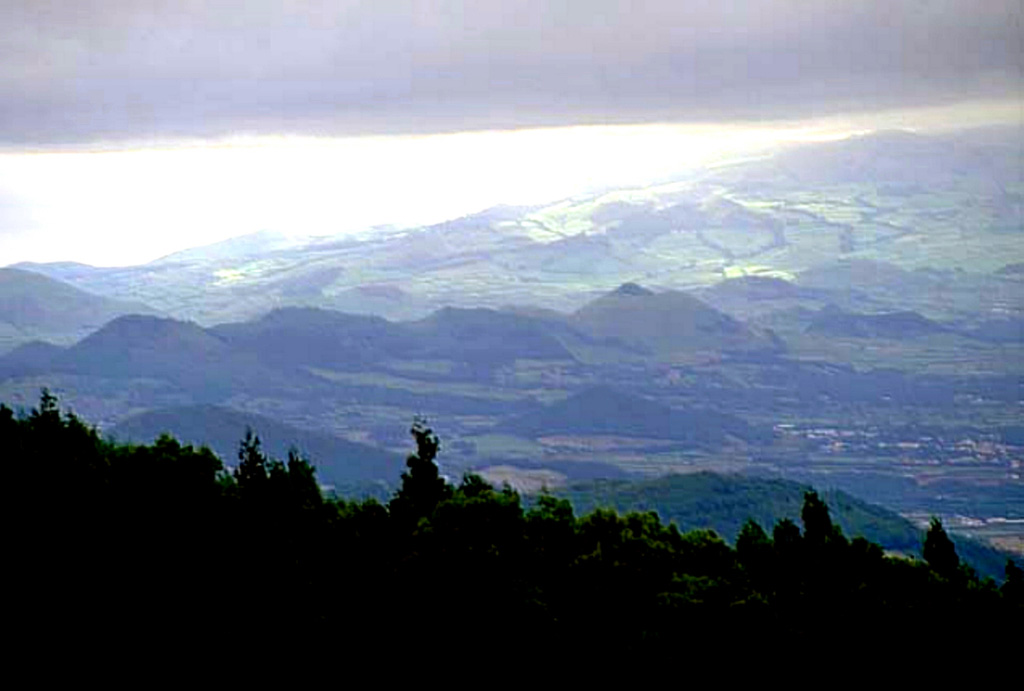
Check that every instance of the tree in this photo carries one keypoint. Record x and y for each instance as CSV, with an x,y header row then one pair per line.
x,y
939,551
754,549
1013,587
819,530
251,473
422,488
786,538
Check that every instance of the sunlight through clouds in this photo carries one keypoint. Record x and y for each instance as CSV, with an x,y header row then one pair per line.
x,y
120,207
128,206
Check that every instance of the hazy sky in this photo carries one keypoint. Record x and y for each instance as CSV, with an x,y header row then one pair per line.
x,y
171,85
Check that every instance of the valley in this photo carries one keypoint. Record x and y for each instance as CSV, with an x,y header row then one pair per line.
x,y
844,314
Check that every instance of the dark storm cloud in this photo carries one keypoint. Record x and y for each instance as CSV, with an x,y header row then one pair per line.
x,y
79,70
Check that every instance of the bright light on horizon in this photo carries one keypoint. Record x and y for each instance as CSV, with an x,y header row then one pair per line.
x,y
131,206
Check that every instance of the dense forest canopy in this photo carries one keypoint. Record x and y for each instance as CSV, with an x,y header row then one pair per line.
x,y
162,538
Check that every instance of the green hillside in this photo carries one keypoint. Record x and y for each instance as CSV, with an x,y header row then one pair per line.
x,y
724,502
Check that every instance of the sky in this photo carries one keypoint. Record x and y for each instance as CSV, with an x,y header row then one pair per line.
x,y
132,128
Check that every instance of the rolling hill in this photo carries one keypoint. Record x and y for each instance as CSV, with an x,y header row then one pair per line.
x,y
325,338
831,321
608,412
486,337
145,348
35,307
338,461
724,502
668,323
298,336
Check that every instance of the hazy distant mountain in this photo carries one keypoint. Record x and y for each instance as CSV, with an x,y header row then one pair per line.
x,y
906,162
33,306
852,274
768,299
832,321
668,322
240,247
1015,270
923,206
380,299
948,295
753,288
68,272
1008,330
338,461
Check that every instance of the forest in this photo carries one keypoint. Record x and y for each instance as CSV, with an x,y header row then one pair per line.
x,y
115,539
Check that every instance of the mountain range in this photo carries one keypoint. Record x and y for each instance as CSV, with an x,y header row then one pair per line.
x,y
36,307
850,309
937,215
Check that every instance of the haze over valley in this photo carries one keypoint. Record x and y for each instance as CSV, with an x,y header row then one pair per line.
x,y
649,283
846,313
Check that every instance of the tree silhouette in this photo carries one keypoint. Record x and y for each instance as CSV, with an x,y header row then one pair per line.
x,y
939,551
251,473
152,532
819,530
1013,587
422,488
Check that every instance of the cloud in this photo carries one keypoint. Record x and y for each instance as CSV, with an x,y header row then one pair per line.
x,y
86,70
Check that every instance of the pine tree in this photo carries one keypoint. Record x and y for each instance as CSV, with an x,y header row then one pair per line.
x,y
939,551
251,473
422,488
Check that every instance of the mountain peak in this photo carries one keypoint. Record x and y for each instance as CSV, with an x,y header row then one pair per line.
x,y
145,331
632,290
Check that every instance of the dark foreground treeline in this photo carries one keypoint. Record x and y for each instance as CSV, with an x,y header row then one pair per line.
x,y
112,540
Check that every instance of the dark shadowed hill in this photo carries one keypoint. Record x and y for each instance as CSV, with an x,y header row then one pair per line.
x,y
832,321
129,346
1014,270
33,306
338,461
28,359
316,337
778,300
1009,330
851,274
137,344
487,337
668,322
180,353
761,288
605,411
